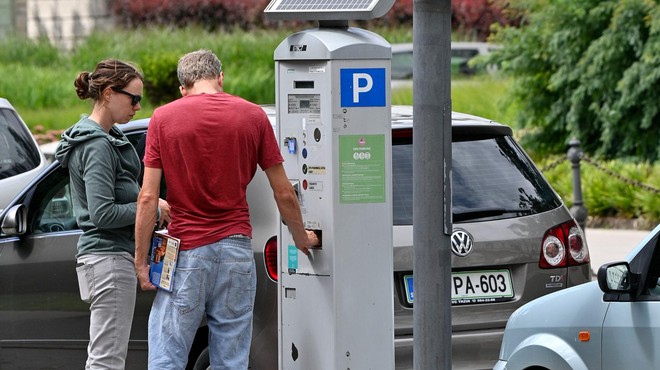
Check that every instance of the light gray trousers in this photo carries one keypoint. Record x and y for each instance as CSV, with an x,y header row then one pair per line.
x,y
108,283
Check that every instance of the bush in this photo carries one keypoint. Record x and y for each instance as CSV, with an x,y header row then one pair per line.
x,y
474,18
470,18
210,14
161,83
605,195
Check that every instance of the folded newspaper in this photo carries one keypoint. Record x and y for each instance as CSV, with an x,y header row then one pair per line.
x,y
164,253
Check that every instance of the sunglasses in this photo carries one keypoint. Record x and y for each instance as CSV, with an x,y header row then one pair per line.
x,y
135,99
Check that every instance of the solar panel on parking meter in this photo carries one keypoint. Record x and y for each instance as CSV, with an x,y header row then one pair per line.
x,y
327,10
334,128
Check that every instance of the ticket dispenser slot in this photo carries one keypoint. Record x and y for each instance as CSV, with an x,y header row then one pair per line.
x,y
295,184
334,129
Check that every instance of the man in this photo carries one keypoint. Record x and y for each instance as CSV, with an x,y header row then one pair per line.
x,y
209,213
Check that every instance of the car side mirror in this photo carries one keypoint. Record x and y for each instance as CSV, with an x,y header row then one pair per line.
x,y
15,221
615,279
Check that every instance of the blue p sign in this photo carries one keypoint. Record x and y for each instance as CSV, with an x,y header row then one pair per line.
x,y
363,87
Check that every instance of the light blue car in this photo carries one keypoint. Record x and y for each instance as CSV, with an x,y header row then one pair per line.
x,y
610,324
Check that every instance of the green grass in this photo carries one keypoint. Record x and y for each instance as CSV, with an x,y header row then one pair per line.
x,y
38,78
44,95
484,96
481,95
60,118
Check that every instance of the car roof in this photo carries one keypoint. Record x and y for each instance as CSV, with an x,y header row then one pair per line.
x,y
482,47
402,118
135,125
462,124
4,103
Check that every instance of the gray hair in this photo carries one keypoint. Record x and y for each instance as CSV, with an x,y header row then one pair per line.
x,y
196,66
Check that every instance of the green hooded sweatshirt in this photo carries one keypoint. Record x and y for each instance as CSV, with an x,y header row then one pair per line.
x,y
103,168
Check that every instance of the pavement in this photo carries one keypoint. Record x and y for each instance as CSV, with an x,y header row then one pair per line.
x,y
611,245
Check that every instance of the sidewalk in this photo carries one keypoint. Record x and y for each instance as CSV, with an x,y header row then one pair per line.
x,y
610,245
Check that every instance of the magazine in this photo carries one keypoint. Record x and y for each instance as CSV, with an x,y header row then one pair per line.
x,y
164,253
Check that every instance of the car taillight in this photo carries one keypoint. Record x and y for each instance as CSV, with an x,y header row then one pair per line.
x,y
564,245
270,257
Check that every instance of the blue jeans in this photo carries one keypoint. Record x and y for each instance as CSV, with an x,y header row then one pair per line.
x,y
217,282
108,283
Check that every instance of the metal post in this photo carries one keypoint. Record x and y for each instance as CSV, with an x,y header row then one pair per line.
x,y
578,209
432,190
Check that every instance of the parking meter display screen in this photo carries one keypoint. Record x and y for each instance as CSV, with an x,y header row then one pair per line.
x,y
304,104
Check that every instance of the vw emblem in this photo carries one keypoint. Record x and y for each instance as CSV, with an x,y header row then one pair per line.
x,y
461,243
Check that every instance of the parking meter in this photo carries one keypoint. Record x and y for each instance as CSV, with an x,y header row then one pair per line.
x,y
334,129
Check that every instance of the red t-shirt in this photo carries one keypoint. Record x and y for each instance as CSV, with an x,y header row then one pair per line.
x,y
208,146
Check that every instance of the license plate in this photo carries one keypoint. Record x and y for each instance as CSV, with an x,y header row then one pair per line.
x,y
473,287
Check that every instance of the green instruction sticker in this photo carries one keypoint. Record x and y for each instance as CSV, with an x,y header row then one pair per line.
x,y
362,168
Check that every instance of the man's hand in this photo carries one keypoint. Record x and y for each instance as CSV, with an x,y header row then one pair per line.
x,y
143,277
312,241
313,238
287,204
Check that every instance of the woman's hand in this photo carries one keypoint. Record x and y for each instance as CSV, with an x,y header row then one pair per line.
x,y
164,213
142,272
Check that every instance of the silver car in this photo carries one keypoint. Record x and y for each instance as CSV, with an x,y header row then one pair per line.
x,y
461,53
514,240
20,158
610,324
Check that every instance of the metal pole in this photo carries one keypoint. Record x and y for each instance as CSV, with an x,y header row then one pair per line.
x,y
578,209
431,189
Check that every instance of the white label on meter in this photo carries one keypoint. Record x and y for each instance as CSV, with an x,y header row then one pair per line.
x,y
304,104
317,69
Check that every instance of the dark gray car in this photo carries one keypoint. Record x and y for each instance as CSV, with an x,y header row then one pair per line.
x,y
514,240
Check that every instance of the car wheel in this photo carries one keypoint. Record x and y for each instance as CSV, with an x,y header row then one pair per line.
x,y
203,361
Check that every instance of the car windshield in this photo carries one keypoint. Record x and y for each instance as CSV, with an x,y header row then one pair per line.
x,y
402,65
491,179
18,153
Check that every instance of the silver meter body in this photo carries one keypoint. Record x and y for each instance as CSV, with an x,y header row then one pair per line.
x,y
334,129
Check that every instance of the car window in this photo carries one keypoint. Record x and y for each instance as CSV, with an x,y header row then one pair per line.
x,y
464,53
491,179
402,65
18,152
51,208
139,140
652,290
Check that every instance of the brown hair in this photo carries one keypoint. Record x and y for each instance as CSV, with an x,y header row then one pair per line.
x,y
108,73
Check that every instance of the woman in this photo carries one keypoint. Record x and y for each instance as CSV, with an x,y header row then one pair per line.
x,y
104,168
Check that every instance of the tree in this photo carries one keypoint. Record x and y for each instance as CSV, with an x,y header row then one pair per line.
x,y
588,69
